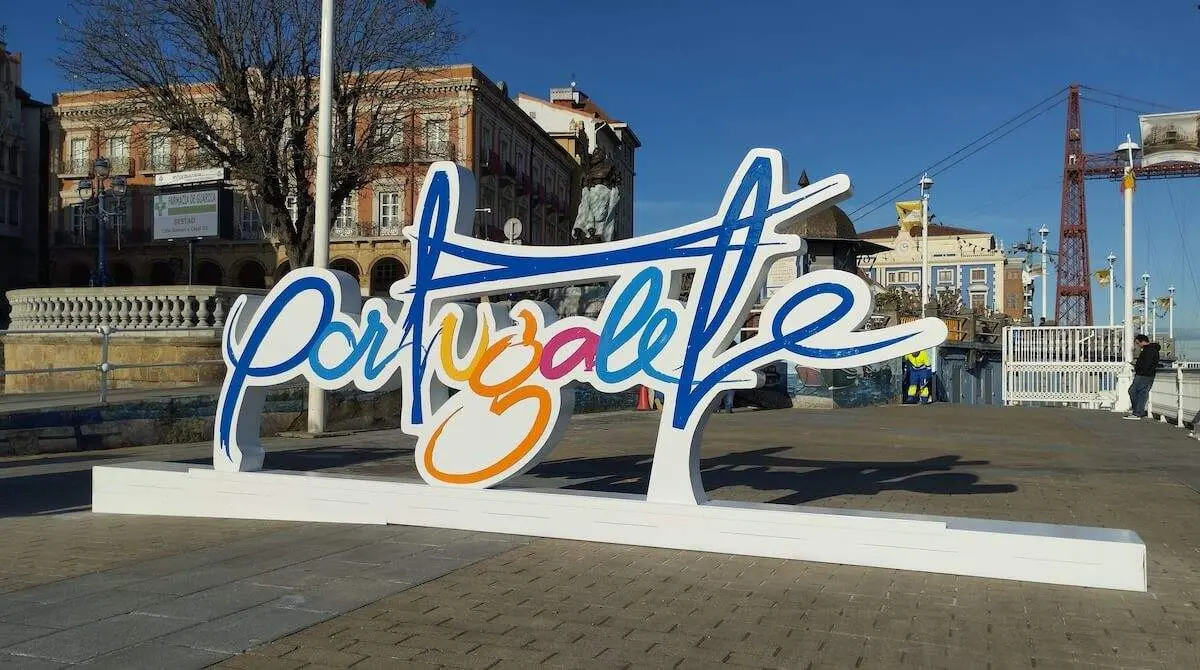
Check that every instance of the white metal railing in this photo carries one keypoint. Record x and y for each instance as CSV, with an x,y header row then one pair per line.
x,y
1073,365
152,308
1175,396
1063,344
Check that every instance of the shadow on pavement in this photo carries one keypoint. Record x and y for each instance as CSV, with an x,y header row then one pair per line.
x,y
47,493
55,460
799,480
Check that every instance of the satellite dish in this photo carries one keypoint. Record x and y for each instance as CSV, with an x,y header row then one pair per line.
x,y
512,229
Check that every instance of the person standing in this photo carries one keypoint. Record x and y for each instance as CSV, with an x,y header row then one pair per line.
x,y
1144,369
920,378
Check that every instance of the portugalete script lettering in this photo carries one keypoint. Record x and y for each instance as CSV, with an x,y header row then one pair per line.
x,y
513,369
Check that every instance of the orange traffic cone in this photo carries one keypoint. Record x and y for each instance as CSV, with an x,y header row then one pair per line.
x,y
643,399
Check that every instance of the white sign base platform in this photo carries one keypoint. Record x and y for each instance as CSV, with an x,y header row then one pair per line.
x,y
1069,555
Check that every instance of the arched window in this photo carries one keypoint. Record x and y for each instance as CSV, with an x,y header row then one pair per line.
x,y
121,274
209,273
251,274
384,273
161,274
346,265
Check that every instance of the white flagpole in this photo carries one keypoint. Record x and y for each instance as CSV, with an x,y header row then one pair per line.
x,y
316,397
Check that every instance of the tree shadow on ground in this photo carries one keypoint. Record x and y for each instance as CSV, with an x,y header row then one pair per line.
x,y
798,480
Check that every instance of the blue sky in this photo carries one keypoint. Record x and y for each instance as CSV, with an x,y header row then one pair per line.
x,y
874,89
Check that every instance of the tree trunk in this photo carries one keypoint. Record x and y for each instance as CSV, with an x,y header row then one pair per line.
x,y
299,252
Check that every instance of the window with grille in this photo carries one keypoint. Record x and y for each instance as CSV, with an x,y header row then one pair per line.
x,y
437,136
346,217
118,153
251,223
80,153
978,275
978,300
389,212
485,140
78,223
945,276
119,220
160,153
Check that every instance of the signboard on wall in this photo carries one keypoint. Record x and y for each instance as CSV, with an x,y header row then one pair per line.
x,y
1170,138
189,214
190,177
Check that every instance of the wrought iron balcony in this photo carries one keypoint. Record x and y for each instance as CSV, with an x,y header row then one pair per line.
x,y
75,167
364,230
159,163
88,237
439,152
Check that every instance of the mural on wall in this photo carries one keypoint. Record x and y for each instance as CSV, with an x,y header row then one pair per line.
x,y
513,369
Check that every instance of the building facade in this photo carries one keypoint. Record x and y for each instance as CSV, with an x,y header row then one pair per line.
x,y
521,170
23,186
967,263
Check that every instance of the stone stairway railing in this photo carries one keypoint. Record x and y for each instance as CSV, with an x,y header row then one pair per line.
x,y
159,308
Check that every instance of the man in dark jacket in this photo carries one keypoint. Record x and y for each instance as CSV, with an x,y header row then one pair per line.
x,y
1143,376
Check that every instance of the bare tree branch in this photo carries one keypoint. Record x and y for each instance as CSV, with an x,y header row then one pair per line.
x,y
236,80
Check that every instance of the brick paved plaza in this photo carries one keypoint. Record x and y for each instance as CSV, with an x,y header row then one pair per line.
x,y
84,590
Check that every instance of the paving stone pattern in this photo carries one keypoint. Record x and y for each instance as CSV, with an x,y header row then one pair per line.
x,y
197,607
571,604
146,592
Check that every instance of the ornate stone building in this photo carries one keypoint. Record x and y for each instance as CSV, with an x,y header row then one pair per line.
x,y
23,146
523,172
968,264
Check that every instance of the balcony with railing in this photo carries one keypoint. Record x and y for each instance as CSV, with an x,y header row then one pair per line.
x,y
359,230
156,163
79,167
88,237
442,151
75,166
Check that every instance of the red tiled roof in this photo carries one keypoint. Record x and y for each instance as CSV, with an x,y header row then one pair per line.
x,y
588,107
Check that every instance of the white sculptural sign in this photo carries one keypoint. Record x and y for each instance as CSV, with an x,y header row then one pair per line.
x,y
513,370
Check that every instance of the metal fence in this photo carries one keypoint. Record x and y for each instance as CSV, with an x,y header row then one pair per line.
x,y
104,367
1066,365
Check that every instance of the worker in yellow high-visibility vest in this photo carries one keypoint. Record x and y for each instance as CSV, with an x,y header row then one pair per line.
x,y
920,377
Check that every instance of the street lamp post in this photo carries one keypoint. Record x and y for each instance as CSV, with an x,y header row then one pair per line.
x,y
1171,312
1112,289
926,185
1125,153
1147,308
1044,232
103,196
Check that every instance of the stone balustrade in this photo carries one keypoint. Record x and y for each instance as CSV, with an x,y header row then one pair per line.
x,y
158,308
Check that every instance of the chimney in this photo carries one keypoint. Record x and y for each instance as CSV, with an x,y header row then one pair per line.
x,y
569,95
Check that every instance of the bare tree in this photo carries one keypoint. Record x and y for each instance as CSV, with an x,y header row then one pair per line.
x,y
238,81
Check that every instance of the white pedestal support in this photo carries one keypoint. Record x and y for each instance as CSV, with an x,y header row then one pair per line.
x,y
1071,555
